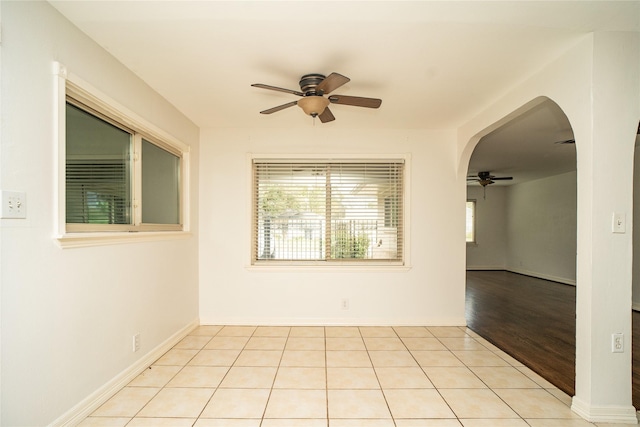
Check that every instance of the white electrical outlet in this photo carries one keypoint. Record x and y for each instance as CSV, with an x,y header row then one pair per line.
x,y
136,343
14,204
344,303
617,343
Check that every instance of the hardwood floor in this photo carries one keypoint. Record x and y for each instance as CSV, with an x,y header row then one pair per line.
x,y
533,320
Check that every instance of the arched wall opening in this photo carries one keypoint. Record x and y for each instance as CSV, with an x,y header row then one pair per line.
x,y
525,239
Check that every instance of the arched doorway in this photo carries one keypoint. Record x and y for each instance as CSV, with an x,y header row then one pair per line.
x,y
522,265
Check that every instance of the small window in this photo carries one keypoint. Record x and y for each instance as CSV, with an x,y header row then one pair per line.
x,y
328,211
117,178
471,221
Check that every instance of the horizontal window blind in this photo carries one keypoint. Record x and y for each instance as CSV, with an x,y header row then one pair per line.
x,y
328,211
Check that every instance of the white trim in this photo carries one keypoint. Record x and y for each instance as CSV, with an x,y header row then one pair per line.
x,y
551,277
604,414
486,267
67,83
92,402
635,306
327,267
334,321
81,240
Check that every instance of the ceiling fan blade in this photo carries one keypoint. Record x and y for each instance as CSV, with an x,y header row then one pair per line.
x,y
357,101
279,107
498,178
326,116
332,82
279,89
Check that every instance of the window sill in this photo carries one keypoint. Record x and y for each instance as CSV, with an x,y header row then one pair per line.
x,y
81,240
327,268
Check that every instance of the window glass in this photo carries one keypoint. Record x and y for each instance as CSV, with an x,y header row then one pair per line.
x,y
328,211
98,170
160,185
471,221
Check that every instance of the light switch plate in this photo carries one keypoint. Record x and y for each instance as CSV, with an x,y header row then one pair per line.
x,y
14,204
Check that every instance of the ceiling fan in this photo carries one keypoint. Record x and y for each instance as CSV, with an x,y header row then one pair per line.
x,y
485,178
313,87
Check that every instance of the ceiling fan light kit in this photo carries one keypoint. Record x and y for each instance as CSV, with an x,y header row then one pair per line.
x,y
313,87
313,105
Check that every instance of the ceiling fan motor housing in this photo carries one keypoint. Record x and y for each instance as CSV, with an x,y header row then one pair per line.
x,y
309,82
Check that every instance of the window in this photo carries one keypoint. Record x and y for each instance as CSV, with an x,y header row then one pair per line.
x,y
348,211
117,177
471,221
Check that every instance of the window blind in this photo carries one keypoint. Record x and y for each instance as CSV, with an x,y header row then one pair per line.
x,y
328,211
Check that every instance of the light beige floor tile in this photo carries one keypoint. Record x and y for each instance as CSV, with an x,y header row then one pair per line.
x,y
155,376
417,403
227,422
272,331
535,377
301,378
249,377
355,343
104,422
425,422
384,422
342,332
285,403
161,422
570,423
176,357
399,377
177,403
392,358
452,377
478,403
348,359
487,344
208,330
412,331
193,342
384,343
378,331
352,378
503,377
303,358
480,358
266,343
215,357
447,331
307,332
357,404
295,422
305,343
237,403
423,343
506,422
259,358
127,402
510,360
535,403
226,343
199,376
562,396
463,343
236,331
436,358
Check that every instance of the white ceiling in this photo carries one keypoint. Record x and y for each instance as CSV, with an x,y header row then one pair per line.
x,y
435,64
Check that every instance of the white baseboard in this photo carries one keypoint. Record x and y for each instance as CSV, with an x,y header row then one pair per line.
x,y
604,414
485,267
635,306
544,276
92,402
296,321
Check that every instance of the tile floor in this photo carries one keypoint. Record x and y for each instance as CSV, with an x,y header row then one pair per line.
x,y
336,377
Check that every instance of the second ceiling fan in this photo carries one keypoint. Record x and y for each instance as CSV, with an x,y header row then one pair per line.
x,y
313,87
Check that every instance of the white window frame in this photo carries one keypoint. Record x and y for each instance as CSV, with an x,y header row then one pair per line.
x,y
334,265
78,235
475,221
